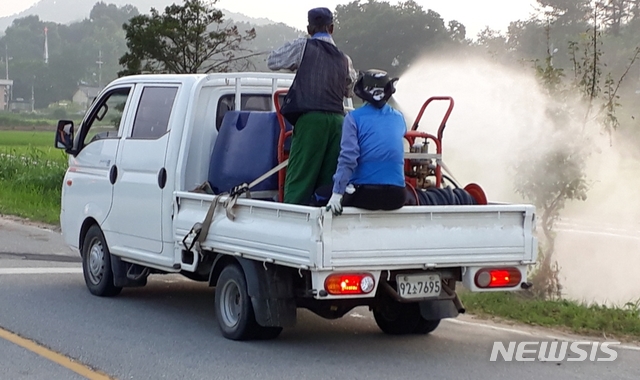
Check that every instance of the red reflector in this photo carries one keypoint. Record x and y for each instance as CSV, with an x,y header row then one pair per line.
x,y
351,283
498,277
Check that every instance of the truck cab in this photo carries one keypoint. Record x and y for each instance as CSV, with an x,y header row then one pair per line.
x,y
126,156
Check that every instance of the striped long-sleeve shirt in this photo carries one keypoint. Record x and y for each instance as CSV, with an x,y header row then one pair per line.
x,y
289,57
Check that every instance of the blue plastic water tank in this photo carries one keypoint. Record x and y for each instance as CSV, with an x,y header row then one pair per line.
x,y
245,149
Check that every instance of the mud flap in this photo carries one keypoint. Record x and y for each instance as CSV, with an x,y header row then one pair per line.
x,y
438,309
269,286
277,312
271,290
120,279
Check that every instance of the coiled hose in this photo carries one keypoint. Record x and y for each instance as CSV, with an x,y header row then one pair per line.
x,y
442,197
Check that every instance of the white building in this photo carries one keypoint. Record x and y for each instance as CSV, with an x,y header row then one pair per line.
x,y
5,90
85,95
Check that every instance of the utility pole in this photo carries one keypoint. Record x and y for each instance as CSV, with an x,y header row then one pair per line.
x,y
46,46
33,99
99,62
6,68
6,61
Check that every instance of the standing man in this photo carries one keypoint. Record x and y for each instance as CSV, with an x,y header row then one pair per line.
x,y
314,105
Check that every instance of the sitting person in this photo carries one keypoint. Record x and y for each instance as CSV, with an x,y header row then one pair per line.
x,y
371,162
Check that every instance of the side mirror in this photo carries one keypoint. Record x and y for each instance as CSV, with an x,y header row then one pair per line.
x,y
64,135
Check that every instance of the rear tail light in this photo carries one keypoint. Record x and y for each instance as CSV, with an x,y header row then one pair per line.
x,y
498,277
349,283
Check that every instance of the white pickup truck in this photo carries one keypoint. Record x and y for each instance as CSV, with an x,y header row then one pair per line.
x,y
133,204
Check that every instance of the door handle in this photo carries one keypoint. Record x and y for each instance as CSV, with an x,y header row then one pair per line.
x,y
113,174
162,178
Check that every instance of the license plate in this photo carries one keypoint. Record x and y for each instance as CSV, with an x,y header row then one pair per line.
x,y
411,286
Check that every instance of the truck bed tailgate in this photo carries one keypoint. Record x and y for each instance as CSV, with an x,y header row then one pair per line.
x,y
425,236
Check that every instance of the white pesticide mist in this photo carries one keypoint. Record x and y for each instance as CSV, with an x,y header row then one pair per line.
x,y
499,112
598,242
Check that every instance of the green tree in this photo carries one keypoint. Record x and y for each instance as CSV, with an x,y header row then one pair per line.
x,y
390,37
557,174
493,42
105,41
567,12
73,53
615,13
188,38
457,32
268,37
556,23
47,81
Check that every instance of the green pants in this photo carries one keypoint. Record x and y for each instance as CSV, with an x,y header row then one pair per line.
x,y
313,159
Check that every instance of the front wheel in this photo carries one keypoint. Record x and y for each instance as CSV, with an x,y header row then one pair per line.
x,y
234,310
96,264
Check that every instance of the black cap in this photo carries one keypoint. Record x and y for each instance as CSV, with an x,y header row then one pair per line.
x,y
320,17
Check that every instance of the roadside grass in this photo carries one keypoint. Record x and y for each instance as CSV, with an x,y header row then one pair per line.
x,y
579,318
11,120
13,139
31,174
30,203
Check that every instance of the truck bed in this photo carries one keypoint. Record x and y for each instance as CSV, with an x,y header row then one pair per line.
x,y
412,237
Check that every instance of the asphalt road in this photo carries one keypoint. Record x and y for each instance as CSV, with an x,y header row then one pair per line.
x,y
167,330
599,261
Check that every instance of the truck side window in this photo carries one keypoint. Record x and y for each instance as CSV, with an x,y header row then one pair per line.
x,y
154,110
104,121
257,102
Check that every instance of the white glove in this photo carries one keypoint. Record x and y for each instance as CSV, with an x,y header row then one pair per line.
x,y
335,204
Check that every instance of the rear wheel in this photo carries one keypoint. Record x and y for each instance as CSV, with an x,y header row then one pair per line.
x,y
267,333
96,264
425,326
396,318
234,310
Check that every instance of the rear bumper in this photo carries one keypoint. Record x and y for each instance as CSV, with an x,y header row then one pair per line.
x,y
385,279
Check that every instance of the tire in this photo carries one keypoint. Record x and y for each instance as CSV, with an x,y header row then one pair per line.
x,y
397,318
426,326
267,333
234,311
96,264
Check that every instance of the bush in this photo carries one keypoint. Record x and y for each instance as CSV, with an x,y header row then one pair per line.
x,y
32,170
8,119
59,113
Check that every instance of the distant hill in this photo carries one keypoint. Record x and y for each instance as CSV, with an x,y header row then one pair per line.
x,y
67,11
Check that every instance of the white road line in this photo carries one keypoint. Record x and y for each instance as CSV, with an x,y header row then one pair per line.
x,y
586,232
534,334
40,270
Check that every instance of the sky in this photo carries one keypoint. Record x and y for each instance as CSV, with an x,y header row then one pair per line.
x,y
474,14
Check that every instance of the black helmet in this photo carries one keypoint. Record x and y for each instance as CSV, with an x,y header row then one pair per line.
x,y
375,87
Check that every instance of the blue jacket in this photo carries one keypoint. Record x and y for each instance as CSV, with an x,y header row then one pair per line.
x,y
371,149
